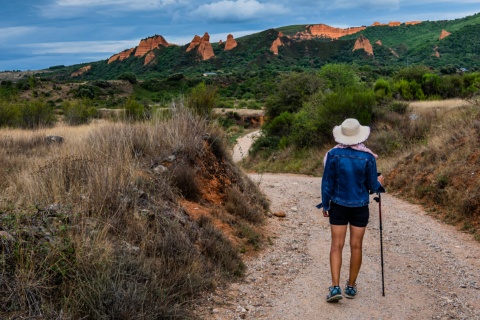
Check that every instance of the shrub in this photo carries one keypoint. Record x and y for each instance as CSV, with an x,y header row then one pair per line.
x,y
129,76
339,75
382,90
78,112
202,99
291,92
135,111
9,114
36,114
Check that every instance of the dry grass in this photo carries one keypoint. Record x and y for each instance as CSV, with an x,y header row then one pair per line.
x,y
443,173
98,232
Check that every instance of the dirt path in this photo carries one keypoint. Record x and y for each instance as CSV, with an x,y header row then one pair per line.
x,y
431,270
240,150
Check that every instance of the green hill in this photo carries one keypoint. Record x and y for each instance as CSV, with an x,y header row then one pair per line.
x,y
400,46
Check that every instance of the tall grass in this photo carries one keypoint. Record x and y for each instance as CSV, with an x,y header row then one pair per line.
x,y
442,173
98,233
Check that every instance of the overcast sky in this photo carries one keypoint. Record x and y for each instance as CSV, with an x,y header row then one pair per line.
x,y
36,34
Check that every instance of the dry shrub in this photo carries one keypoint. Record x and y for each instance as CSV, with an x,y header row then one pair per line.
x,y
238,206
219,249
102,235
395,133
443,173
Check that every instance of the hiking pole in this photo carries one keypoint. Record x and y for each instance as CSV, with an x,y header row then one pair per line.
x,y
379,200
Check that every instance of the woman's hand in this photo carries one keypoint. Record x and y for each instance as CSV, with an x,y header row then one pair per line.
x,y
325,213
381,179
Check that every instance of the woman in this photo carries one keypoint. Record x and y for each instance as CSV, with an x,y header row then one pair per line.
x,y
349,177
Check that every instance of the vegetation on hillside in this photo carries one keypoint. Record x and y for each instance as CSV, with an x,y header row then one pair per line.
x,y
122,220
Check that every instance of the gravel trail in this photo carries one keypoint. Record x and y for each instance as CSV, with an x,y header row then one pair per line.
x,y
432,271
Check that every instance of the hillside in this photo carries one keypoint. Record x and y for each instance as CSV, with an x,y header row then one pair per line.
x,y
296,47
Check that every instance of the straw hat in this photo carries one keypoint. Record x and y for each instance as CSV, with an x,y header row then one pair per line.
x,y
351,132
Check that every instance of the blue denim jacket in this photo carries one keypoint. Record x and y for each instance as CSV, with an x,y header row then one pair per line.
x,y
349,177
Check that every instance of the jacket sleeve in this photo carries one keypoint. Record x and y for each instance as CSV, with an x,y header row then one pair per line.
x,y
327,182
372,182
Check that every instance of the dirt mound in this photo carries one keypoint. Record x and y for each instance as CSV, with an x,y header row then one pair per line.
x,y
444,34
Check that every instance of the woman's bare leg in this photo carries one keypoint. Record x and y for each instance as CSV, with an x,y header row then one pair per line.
x,y
356,241
338,241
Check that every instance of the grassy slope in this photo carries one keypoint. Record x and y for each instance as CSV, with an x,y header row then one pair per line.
x,y
134,231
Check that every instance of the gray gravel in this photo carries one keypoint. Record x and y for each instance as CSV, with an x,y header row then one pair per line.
x,y
432,271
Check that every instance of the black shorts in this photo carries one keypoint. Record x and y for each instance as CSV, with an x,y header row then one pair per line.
x,y
356,216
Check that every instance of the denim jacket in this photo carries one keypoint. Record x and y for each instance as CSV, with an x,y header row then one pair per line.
x,y
349,177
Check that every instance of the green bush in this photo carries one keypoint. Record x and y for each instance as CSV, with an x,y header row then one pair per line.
x,y
339,75
9,114
135,111
202,99
78,112
36,114
382,90
129,76
291,92
281,125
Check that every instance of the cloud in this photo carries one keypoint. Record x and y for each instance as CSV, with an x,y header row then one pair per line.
x,y
89,47
125,4
15,32
240,10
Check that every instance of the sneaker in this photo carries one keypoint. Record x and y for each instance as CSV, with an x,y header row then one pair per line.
x,y
335,294
350,291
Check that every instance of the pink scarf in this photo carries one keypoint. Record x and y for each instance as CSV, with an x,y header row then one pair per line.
x,y
358,147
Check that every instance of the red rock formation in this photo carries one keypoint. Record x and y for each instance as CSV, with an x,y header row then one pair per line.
x,y
277,43
220,42
194,43
324,31
444,34
379,42
121,56
149,44
205,48
231,43
376,24
436,53
394,24
81,71
412,22
363,43
149,58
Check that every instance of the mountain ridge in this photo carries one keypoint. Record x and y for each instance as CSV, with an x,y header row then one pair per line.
x,y
298,46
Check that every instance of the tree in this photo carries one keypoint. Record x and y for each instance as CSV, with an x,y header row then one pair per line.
x,y
339,75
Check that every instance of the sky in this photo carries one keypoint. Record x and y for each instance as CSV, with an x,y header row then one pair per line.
x,y
37,34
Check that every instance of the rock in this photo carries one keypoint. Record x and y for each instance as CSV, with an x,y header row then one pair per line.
x,y
81,71
121,56
148,44
203,46
170,158
325,31
194,43
363,43
280,214
149,58
160,169
54,139
231,43
444,34
277,43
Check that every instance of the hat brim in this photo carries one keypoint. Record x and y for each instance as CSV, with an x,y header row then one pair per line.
x,y
362,136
